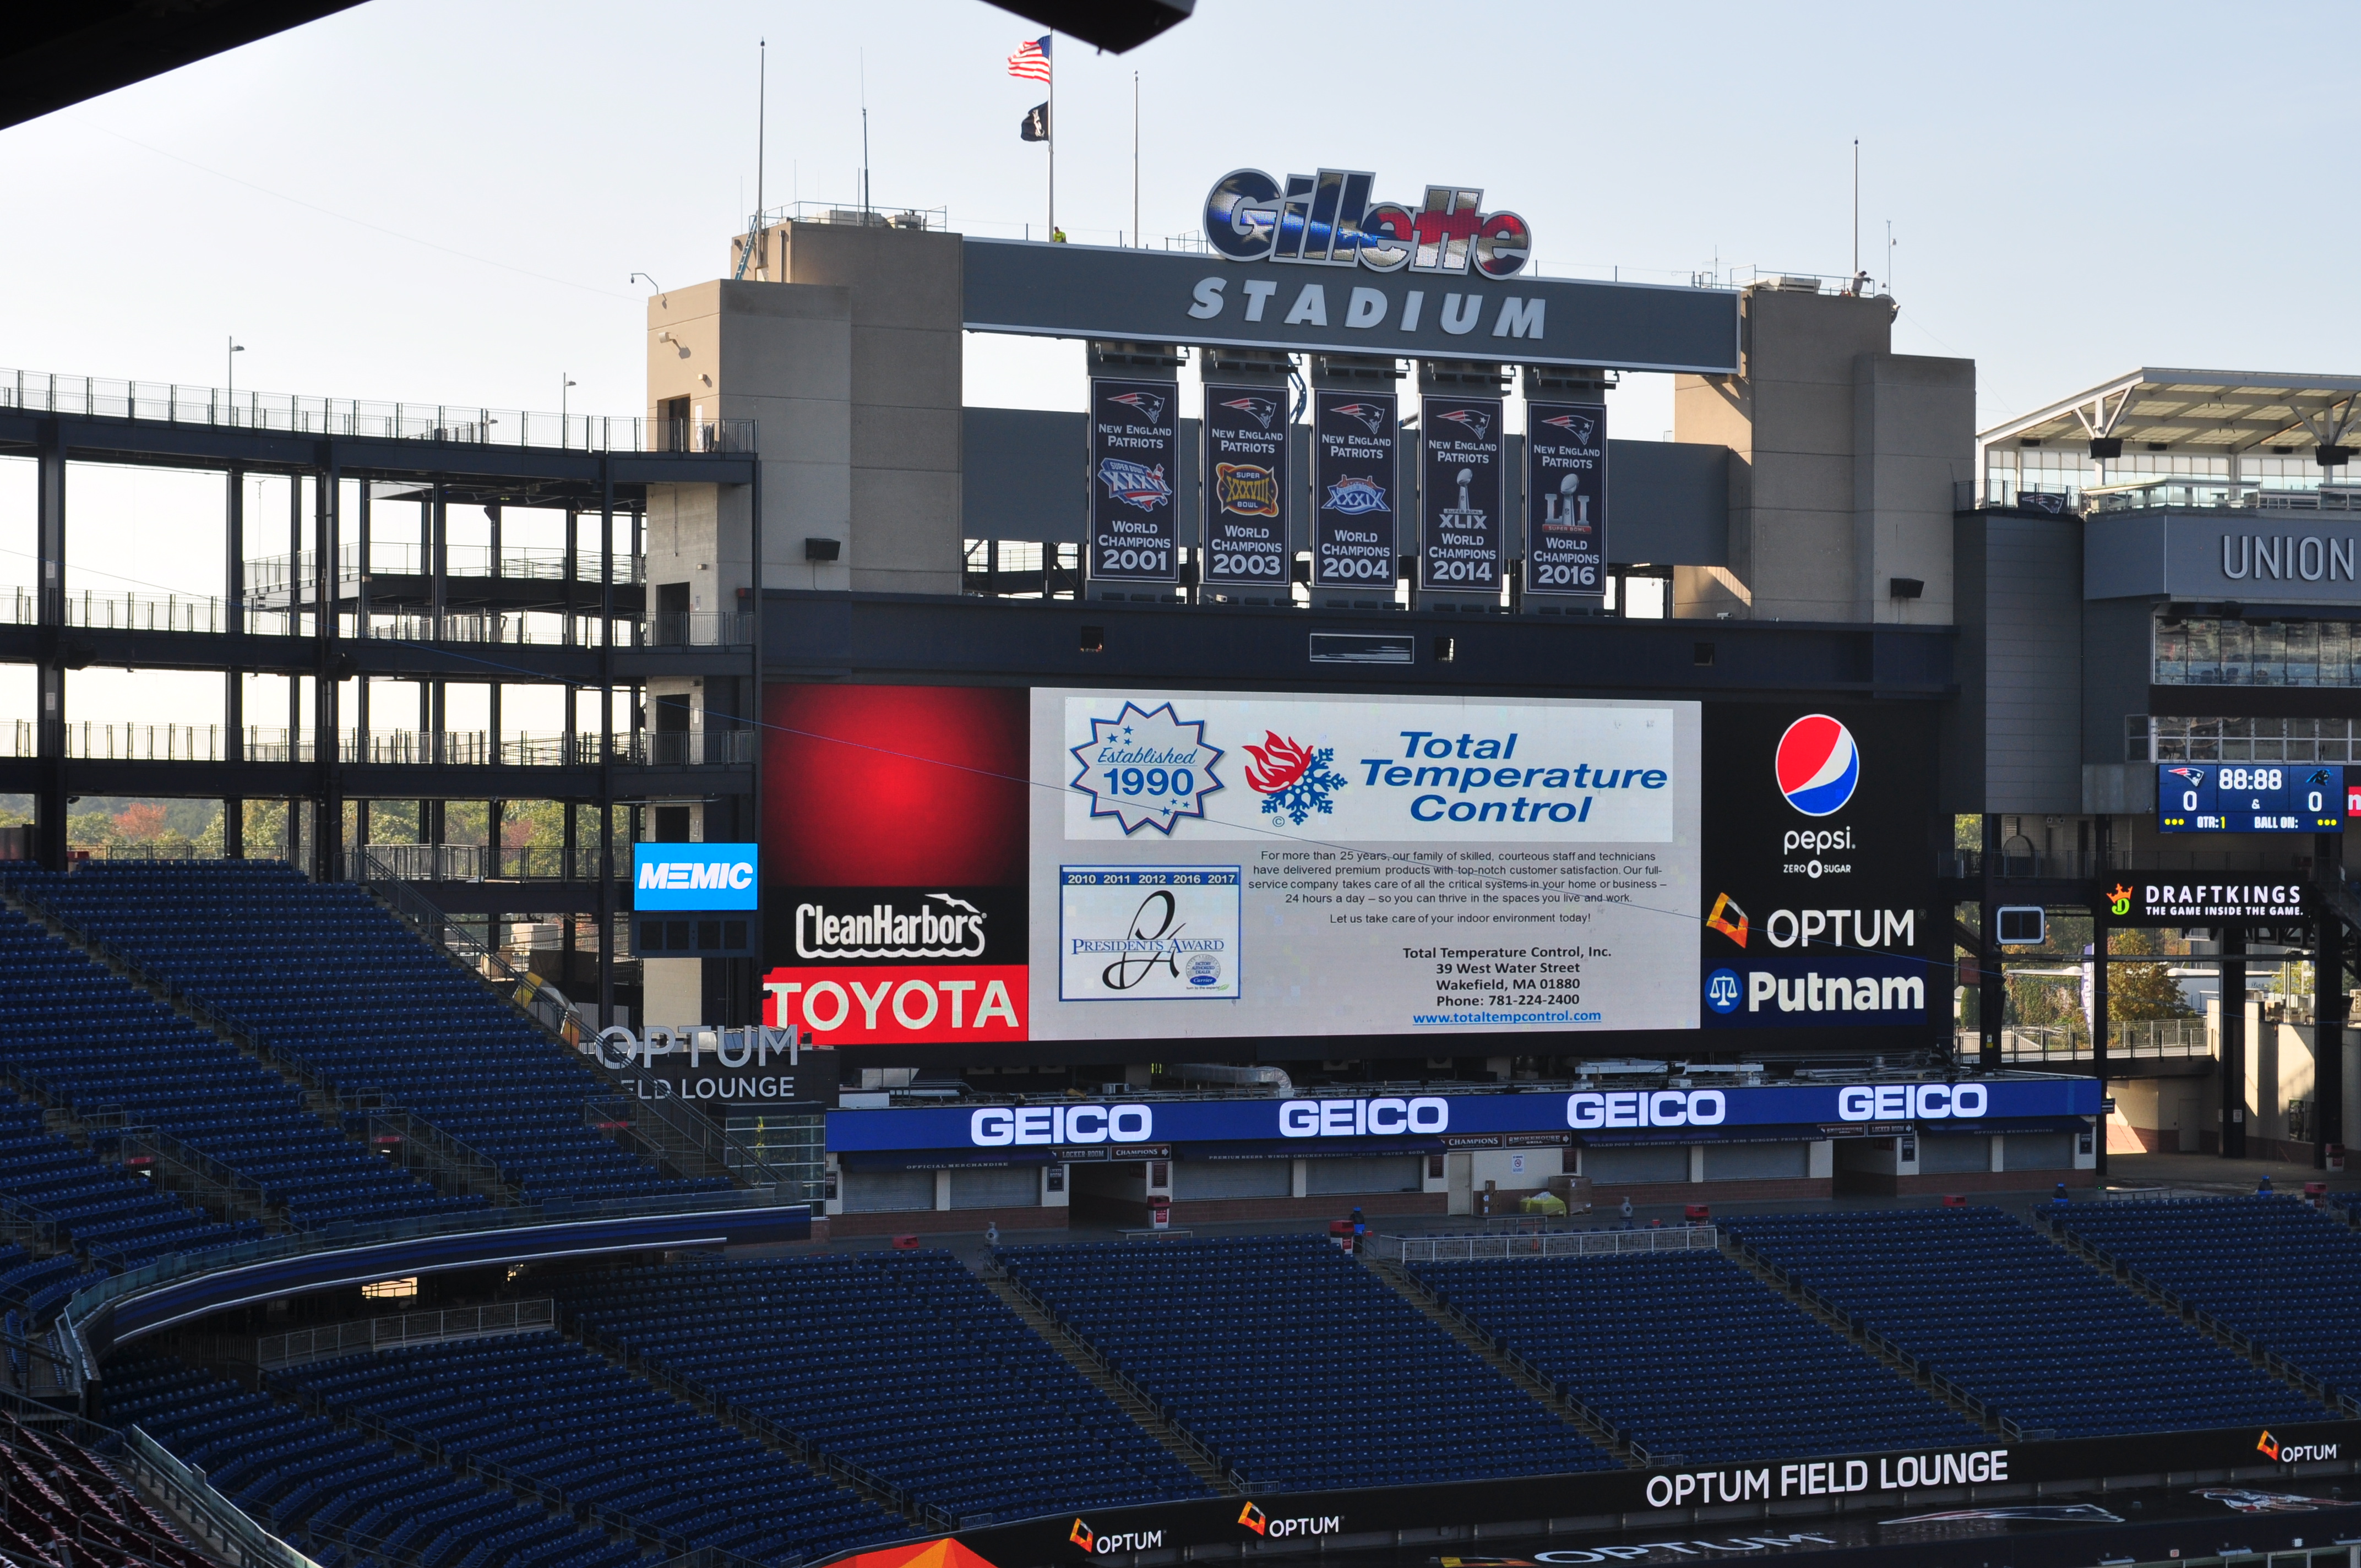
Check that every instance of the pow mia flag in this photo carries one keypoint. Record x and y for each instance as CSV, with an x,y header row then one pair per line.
x,y
1035,125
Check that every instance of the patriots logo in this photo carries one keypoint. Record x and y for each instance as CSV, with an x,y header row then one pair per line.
x,y
1260,410
1147,403
1370,415
1474,419
1575,425
2194,775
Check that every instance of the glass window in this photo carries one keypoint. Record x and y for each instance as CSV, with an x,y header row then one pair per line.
x,y
2136,742
2204,652
2205,740
2302,653
2267,654
2335,653
2172,654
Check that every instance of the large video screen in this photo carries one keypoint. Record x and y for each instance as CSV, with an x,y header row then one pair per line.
x,y
949,866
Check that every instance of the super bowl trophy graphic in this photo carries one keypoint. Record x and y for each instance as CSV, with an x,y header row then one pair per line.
x,y
1566,512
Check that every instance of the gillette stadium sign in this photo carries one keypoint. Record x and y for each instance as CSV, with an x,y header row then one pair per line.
x,y
1328,220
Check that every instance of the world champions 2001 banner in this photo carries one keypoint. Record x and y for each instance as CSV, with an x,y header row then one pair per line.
x,y
976,866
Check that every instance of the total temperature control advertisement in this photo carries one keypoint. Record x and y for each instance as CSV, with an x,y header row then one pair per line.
x,y
1216,864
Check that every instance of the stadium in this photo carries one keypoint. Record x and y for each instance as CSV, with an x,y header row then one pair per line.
x,y
1320,958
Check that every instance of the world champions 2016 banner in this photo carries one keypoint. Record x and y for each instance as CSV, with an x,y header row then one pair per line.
x,y
974,866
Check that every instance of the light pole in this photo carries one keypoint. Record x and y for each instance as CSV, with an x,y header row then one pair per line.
x,y
565,384
235,348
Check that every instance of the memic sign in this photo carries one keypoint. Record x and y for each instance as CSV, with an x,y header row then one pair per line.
x,y
693,876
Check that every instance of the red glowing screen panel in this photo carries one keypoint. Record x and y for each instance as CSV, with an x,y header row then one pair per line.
x,y
895,785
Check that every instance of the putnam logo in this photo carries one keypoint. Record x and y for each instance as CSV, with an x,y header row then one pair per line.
x,y
1817,765
1246,489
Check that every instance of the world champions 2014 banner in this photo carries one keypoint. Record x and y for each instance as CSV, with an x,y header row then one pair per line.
x,y
969,866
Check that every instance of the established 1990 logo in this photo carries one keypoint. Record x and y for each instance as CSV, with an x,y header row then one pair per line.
x,y
1817,765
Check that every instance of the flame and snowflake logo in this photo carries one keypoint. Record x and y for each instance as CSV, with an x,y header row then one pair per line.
x,y
1294,780
1147,768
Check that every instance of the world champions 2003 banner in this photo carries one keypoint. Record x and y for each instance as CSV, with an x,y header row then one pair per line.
x,y
967,866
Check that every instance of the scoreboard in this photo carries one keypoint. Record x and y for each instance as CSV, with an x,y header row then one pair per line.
x,y
2249,797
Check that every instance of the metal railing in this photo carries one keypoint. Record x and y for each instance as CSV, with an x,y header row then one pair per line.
x,y
1543,1244
107,398
93,741
2033,1044
691,749
272,1352
271,574
1967,865
480,862
225,1530
698,629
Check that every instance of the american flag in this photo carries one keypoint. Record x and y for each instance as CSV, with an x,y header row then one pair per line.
x,y
1031,60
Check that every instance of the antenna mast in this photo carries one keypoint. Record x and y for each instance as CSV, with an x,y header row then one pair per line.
x,y
762,107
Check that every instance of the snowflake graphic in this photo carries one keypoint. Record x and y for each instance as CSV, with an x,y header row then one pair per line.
x,y
1292,779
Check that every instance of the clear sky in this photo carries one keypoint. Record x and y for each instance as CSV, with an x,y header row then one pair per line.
x,y
441,201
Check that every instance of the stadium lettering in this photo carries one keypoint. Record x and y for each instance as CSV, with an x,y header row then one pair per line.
x,y
1647,1108
1911,1101
619,1048
997,1126
1382,1117
1816,992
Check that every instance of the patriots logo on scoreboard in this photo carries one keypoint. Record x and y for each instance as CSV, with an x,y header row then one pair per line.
x,y
1575,425
1149,405
1371,415
1135,484
2193,775
1262,411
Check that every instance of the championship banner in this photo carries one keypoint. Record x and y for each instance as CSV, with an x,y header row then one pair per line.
x,y
1566,499
1459,490
1246,488
1353,480
1135,452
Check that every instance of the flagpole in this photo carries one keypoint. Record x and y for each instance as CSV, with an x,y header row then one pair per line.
x,y
1053,145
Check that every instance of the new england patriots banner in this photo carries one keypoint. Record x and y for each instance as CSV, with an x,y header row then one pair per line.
x,y
1135,450
1459,496
1246,488
1566,499
1353,484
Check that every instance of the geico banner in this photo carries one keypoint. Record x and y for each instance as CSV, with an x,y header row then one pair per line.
x,y
1353,865
871,1004
1608,1112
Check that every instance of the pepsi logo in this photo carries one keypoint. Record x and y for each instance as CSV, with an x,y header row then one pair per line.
x,y
1818,765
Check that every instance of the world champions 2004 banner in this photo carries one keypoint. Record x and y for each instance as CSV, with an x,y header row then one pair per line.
x,y
990,865
1354,486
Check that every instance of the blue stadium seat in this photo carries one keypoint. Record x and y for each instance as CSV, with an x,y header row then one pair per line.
x,y
575,1425
342,1497
903,1365
1687,1355
2271,1267
1297,1366
325,977
2046,1340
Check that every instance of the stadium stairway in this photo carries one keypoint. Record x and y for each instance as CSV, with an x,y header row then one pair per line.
x,y
1510,1364
1126,1396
